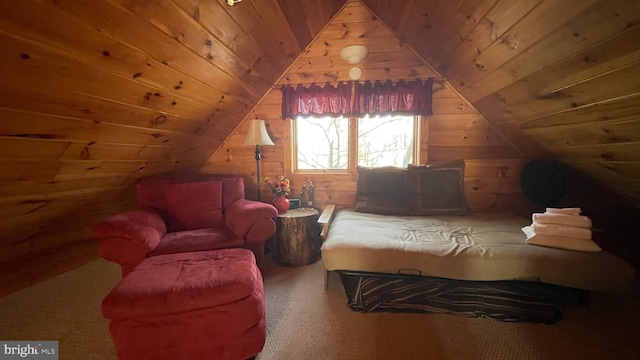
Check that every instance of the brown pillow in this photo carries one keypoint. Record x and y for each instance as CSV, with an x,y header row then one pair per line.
x,y
437,189
382,190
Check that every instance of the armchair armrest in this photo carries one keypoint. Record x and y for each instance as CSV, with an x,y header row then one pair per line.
x,y
142,228
242,214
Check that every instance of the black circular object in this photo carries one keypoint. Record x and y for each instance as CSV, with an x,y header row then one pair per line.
x,y
543,181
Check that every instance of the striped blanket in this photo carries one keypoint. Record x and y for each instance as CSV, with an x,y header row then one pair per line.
x,y
515,301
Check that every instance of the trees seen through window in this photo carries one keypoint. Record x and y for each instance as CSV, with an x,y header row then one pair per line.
x,y
324,143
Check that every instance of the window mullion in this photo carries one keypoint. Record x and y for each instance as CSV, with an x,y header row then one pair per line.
x,y
417,138
423,140
291,156
353,143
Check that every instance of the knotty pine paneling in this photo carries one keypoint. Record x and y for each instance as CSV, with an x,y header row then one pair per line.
x,y
589,134
305,18
47,234
487,30
40,98
596,24
25,187
167,17
86,214
41,265
611,111
619,152
124,26
440,24
26,149
590,91
557,79
388,57
135,169
543,20
80,41
455,130
33,62
609,169
21,124
486,173
36,244
625,186
94,95
16,209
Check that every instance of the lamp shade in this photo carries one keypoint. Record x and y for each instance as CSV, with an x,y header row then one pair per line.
x,y
257,134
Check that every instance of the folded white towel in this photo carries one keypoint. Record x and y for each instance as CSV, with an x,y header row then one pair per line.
x,y
562,219
559,241
566,211
562,230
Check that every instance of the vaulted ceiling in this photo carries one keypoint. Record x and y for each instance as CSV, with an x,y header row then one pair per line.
x,y
94,94
555,78
162,84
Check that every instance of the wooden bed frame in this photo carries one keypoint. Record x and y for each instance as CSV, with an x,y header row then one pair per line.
x,y
325,221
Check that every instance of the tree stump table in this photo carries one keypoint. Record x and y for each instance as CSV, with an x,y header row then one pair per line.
x,y
297,240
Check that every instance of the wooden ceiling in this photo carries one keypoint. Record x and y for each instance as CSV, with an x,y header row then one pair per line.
x,y
95,94
555,78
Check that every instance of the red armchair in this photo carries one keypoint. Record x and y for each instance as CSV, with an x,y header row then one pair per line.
x,y
183,214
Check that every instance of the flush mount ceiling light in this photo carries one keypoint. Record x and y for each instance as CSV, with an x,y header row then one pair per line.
x,y
232,2
354,54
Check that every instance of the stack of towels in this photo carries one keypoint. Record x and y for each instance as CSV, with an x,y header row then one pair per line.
x,y
561,228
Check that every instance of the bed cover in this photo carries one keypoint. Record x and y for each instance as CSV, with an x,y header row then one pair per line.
x,y
476,265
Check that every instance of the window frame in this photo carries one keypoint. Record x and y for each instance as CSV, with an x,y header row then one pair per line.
x,y
352,149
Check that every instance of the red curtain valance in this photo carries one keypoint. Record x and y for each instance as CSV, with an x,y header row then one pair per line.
x,y
413,98
327,100
370,98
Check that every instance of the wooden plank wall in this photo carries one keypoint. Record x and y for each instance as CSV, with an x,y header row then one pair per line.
x,y
557,78
96,94
455,130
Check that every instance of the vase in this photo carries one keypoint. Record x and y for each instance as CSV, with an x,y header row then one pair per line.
x,y
281,203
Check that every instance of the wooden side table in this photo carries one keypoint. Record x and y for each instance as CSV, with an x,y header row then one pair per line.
x,y
297,240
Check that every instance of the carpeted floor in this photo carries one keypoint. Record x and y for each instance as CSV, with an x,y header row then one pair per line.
x,y
304,322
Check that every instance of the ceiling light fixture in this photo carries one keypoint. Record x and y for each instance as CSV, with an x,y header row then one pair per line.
x,y
233,2
354,54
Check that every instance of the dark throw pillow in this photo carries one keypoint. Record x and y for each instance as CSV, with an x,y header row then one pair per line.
x,y
382,190
437,189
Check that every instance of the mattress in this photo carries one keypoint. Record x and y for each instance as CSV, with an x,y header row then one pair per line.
x,y
482,247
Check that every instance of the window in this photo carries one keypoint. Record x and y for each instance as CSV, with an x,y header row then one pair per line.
x,y
326,143
386,141
322,143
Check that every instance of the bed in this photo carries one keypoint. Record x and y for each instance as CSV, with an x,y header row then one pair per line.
x,y
481,260
443,259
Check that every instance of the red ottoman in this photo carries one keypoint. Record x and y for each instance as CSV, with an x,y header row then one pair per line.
x,y
197,305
